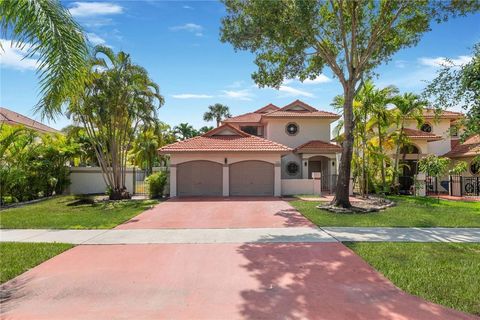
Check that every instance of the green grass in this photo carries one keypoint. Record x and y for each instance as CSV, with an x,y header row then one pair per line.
x,y
444,273
409,212
65,212
16,257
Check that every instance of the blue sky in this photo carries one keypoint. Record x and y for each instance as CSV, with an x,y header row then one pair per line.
x,y
178,43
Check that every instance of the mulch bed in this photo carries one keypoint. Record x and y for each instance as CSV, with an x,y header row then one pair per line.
x,y
364,205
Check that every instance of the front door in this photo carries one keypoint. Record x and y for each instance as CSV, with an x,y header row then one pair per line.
x,y
314,166
408,172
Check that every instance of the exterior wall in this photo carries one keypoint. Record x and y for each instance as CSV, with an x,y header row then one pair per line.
x,y
308,129
297,186
439,127
291,157
468,160
230,158
89,180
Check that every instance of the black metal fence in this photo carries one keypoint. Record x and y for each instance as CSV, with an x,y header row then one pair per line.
x,y
464,186
431,186
139,185
329,182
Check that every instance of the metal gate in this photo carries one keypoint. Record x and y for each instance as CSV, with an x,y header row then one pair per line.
x,y
139,185
431,185
470,186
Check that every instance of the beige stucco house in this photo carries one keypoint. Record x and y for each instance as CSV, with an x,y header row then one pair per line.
x,y
437,135
268,152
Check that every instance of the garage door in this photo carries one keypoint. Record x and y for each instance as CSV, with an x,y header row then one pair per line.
x,y
199,178
251,178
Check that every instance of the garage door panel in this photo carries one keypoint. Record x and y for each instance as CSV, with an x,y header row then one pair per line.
x,y
251,178
199,178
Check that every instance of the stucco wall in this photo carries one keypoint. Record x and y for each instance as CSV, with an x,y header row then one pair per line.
x,y
309,129
468,160
297,186
292,157
89,180
439,127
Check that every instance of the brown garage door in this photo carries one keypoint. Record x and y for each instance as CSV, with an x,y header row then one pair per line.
x,y
199,178
251,178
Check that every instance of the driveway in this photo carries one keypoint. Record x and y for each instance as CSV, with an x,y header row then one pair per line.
x,y
256,280
241,212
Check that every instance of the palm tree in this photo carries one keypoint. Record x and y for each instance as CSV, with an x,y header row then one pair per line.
x,y
408,106
185,131
119,99
48,31
381,119
217,112
205,129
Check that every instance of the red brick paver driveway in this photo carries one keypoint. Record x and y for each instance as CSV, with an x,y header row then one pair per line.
x,y
219,213
212,281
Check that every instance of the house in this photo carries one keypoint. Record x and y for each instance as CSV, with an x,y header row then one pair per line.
x,y
439,135
16,119
268,152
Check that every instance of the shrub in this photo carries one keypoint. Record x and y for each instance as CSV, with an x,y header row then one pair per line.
x,y
156,184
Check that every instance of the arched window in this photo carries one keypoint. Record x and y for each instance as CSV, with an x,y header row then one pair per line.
x,y
410,149
426,127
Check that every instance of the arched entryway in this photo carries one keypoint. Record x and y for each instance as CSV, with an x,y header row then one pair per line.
x,y
408,166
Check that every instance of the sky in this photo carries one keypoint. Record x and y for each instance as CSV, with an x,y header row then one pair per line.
x,y
178,43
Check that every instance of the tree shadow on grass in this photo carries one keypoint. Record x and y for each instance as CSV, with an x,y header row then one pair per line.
x,y
324,281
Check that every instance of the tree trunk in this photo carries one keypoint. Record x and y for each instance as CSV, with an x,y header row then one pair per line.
x,y
342,198
382,168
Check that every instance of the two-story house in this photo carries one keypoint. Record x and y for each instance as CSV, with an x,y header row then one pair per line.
x,y
268,152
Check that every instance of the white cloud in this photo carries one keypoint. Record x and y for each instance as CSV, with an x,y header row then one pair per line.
x,y
441,61
187,7
244,95
189,27
89,9
12,56
95,39
191,96
318,80
289,91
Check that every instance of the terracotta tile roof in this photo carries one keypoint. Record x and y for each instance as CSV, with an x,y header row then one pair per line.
x,y
419,134
233,141
429,113
470,148
302,114
247,117
14,118
268,108
318,146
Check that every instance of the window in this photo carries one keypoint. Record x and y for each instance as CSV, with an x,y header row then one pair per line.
x,y
291,129
426,127
475,167
292,168
250,130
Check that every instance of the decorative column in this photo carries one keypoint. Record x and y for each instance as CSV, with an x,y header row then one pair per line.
x,y
305,169
226,180
317,183
277,188
420,184
173,180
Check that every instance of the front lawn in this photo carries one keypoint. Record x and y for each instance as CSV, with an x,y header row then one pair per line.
x,y
409,212
444,273
16,257
66,212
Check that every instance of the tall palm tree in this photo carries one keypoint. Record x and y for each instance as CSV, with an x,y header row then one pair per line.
x,y
185,131
49,33
407,106
217,112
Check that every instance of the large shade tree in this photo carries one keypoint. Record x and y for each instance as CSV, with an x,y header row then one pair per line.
x,y
119,99
48,32
297,39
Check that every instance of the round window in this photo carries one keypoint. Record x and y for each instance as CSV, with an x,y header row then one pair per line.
x,y
475,167
426,128
292,129
292,168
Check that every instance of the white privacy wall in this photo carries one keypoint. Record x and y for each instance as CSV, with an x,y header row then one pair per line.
x,y
90,181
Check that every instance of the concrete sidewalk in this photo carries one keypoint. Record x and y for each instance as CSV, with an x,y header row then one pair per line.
x,y
244,235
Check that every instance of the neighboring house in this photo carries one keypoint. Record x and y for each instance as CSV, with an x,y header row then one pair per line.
x,y
438,135
270,151
16,119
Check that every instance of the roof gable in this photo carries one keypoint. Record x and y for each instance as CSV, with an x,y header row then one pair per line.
x,y
225,130
15,118
298,105
268,108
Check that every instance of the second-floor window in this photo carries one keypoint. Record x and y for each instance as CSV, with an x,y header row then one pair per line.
x,y
426,127
250,130
291,128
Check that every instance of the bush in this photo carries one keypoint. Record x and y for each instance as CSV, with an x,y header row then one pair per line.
x,y
156,184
